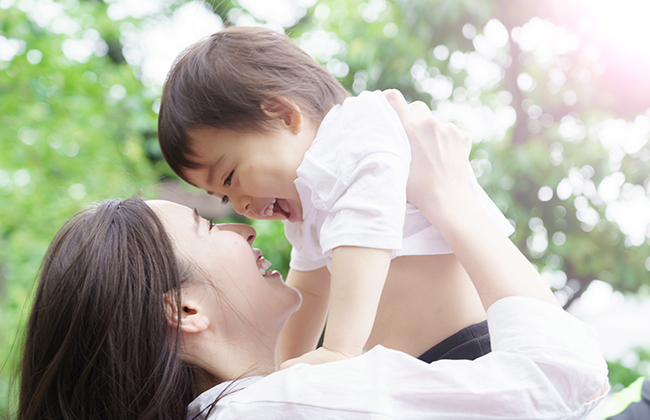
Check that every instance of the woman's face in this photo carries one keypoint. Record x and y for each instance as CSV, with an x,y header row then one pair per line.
x,y
241,295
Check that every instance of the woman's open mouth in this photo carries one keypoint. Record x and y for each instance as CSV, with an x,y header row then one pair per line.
x,y
262,263
265,266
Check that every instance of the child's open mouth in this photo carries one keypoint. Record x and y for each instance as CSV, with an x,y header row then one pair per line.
x,y
279,206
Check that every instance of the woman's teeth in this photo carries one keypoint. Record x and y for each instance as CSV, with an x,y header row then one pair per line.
x,y
265,266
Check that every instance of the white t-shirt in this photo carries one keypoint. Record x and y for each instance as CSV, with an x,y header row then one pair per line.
x,y
352,187
544,364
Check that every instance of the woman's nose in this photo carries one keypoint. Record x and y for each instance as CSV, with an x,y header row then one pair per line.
x,y
246,232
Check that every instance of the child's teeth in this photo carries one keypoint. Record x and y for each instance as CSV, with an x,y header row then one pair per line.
x,y
269,210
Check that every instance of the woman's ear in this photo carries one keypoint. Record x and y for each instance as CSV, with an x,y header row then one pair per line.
x,y
192,320
284,110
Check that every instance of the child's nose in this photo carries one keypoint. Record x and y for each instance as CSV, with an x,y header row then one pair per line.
x,y
241,205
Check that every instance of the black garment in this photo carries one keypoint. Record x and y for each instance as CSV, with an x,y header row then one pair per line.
x,y
469,343
638,410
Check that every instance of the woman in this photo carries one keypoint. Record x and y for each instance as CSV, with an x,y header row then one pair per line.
x,y
143,306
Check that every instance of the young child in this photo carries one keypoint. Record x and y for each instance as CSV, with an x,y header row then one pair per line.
x,y
251,118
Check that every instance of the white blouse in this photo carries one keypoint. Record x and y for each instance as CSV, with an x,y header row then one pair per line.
x,y
544,364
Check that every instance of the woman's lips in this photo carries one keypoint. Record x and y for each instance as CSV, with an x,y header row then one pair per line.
x,y
264,266
262,263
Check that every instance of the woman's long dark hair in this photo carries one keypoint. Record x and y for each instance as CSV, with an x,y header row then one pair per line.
x,y
97,345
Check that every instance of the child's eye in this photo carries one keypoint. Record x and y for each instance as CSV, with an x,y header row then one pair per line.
x,y
228,180
224,199
212,224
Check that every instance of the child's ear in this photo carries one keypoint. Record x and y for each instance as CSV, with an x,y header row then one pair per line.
x,y
192,320
285,110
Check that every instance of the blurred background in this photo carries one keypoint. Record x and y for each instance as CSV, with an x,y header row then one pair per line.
x,y
556,95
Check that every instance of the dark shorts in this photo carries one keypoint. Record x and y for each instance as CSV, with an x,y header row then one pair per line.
x,y
469,343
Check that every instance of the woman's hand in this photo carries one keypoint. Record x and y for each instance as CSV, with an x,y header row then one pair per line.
x,y
439,186
319,356
439,153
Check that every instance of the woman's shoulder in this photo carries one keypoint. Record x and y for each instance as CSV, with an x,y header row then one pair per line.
x,y
309,391
210,398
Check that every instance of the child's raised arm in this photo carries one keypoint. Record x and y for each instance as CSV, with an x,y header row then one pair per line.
x,y
439,186
305,326
358,277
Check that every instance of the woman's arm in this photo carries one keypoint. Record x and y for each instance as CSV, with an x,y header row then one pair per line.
x,y
439,186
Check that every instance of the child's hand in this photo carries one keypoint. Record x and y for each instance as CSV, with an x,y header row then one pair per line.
x,y
319,356
439,153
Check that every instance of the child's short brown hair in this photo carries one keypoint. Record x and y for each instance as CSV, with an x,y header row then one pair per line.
x,y
222,80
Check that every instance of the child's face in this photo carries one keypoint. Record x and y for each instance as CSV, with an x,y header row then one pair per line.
x,y
253,171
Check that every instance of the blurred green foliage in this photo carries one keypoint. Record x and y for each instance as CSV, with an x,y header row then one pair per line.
x,y
621,375
72,133
76,131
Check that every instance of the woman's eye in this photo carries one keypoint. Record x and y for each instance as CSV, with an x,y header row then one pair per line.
x,y
224,199
228,180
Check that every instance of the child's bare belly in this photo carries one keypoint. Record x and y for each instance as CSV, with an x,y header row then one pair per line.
x,y
425,300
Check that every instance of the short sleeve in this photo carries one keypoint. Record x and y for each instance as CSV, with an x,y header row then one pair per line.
x,y
356,171
302,261
306,254
368,205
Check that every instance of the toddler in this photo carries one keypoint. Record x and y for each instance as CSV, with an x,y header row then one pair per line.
x,y
251,118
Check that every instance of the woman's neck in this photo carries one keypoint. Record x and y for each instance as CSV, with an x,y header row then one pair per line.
x,y
204,380
228,365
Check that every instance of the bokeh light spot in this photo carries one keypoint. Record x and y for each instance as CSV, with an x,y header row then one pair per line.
x,y
545,193
77,191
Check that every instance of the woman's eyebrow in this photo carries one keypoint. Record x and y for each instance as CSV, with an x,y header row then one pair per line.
x,y
197,220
